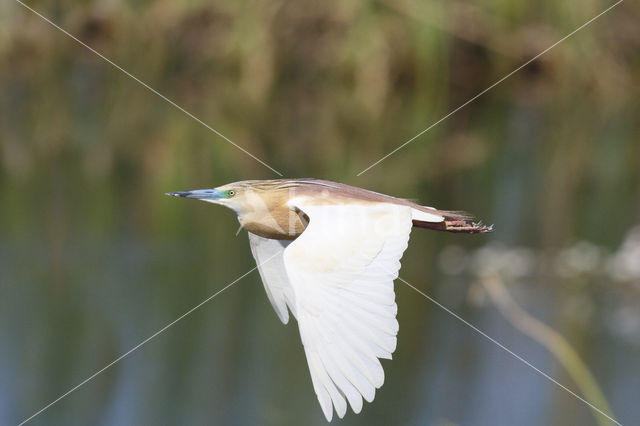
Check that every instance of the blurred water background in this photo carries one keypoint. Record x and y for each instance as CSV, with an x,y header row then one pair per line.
x,y
94,258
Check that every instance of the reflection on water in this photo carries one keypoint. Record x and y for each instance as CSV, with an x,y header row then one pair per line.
x,y
234,362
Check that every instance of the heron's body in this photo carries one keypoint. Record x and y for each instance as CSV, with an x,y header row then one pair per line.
x,y
329,253
270,215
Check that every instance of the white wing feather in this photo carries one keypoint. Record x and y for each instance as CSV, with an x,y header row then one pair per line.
x,y
268,255
341,270
426,217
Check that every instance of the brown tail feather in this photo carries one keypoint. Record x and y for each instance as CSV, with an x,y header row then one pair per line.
x,y
455,221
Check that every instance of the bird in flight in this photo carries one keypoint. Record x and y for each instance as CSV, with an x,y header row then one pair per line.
x,y
329,252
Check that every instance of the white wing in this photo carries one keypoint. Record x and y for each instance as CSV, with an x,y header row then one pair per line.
x,y
268,256
342,269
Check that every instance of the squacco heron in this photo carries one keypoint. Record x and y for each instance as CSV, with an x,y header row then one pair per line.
x,y
329,252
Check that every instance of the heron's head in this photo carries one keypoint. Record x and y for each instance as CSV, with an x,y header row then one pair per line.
x,y
241,197
227,195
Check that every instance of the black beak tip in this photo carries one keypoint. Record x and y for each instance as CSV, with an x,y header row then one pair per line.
x,y
178,193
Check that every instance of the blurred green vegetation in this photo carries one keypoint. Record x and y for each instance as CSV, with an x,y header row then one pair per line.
x,y
93,257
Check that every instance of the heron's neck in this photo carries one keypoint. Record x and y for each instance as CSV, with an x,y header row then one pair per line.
x,y
270,218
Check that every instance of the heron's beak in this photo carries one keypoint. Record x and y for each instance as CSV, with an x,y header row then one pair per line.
x,y
199,194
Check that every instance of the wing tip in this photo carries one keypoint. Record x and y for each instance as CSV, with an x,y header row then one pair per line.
x,y
328,412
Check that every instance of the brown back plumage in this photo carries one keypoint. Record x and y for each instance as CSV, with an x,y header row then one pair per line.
x,y
455,221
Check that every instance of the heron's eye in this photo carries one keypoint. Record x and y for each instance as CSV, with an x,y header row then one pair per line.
x,y
231,193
